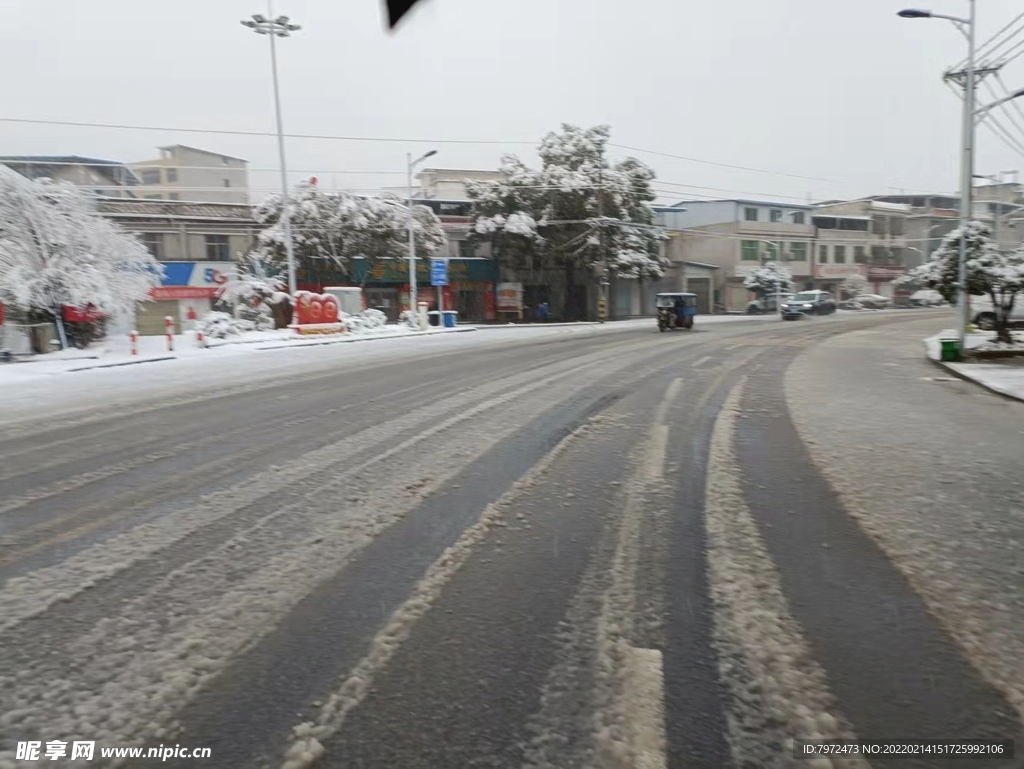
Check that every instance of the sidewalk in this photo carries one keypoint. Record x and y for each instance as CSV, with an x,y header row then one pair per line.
x,y
1003,377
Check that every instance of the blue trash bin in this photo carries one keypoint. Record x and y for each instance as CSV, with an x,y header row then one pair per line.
x,y
450,318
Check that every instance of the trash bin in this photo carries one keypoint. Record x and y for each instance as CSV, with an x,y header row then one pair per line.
x,y
434,318
40,336
950,349
450,318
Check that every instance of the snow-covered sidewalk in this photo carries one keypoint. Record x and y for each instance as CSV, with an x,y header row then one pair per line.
x,y
1005,377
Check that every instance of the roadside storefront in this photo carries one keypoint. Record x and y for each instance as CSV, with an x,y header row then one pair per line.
x,y
881,277
187,288
386,285
830,277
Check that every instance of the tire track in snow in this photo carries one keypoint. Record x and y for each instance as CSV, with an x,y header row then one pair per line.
x,y
778,691
306,746
126,653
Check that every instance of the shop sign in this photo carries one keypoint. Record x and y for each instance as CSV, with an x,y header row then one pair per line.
x,y
509,297
191,280
837,270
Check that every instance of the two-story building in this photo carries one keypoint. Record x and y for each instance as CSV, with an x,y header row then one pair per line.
x,y
197,243
736,236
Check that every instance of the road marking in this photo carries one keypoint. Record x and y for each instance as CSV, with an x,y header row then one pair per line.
x,y
778,690
644,699
306,745
703,360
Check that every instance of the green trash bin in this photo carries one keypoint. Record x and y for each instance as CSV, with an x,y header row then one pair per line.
x,y
950,349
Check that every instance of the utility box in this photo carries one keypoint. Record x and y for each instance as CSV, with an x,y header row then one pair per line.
x,y
350,298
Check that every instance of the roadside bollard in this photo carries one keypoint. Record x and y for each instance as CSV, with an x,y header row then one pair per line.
x,y
134,337
200,339
169,328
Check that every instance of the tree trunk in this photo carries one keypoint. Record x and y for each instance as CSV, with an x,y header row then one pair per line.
x,y
571,310
282,312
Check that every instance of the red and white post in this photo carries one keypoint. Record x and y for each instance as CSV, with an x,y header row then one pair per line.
x,y
134,337
169,329
200,339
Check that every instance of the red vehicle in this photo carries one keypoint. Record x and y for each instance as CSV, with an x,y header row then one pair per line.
x,y
83,324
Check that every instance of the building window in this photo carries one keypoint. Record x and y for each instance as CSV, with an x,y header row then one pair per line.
x,y
749,250
153,197
151,177
775,215
750,214
798,251
896,226
839,254
859,257
173,196
225,161
218,249
172,175
880,225
466,249
154,243
878,255
771,251
798,217
227,182
822,254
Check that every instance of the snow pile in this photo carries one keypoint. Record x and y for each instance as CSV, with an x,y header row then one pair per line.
x,y
408,319
371,320
221,325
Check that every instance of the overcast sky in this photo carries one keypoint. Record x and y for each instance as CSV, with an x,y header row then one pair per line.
x,y
843,90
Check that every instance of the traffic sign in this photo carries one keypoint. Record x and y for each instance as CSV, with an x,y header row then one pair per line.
x,y
439,272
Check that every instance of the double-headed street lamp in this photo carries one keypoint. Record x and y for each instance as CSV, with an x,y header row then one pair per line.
x,y
410,164
971,117
275,28
966,27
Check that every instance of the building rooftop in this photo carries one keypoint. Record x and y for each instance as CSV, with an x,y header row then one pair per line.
x,y
745,201
205,152
109,168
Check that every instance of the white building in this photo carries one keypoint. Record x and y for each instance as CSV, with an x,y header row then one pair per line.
x,y
187,173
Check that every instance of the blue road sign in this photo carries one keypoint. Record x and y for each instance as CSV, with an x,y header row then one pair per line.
x,y
439,272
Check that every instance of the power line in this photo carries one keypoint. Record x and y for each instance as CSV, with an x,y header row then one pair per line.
x,y
1012,118
394,140
991,43
721,165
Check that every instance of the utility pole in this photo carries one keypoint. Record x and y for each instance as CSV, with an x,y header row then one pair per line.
x,y
602,303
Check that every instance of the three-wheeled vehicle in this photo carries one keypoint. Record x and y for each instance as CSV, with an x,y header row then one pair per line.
x,y
675,310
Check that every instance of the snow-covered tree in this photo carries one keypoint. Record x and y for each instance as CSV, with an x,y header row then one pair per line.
x,y
577,212
256,291
854,284
990,273
56,250
336,227
769,279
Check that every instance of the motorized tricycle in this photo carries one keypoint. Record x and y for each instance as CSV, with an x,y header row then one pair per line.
x,y
675,310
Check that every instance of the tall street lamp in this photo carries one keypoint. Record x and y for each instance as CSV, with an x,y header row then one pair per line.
x,y
966,28
275,28
410,164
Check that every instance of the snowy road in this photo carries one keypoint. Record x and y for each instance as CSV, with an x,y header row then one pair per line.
x,y
528,548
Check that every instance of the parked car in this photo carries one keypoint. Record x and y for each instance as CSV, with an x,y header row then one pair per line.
x,y
809,303
926,298
766,304
983,316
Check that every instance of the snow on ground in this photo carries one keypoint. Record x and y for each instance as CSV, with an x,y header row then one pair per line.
x,y
87,379
1002,376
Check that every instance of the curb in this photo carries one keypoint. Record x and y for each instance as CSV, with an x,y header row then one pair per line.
x,y
123,363
491,326
353,340
967,378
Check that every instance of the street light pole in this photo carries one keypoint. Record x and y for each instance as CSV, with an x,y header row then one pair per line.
x,y
275,28
966,27
409,165
966,178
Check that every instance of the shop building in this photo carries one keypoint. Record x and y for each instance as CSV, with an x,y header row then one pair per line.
x,y
197,243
